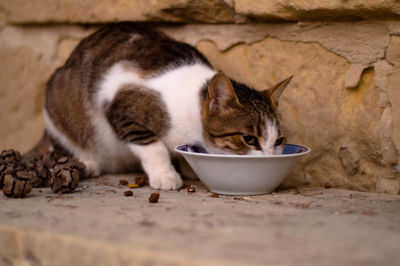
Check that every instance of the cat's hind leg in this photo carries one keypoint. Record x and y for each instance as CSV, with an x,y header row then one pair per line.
x,y
41,149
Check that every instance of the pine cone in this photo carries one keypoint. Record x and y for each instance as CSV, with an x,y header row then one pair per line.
x,y
65,175
17,181
3,168
18,175
10,156
40,169
7,158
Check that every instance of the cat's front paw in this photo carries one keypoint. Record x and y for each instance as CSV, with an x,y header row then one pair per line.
x,y
166,181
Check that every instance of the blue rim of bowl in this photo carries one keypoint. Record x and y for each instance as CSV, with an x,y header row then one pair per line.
x,y
307,151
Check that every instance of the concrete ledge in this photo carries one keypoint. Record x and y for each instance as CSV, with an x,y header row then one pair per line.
x,y
97,225
29,247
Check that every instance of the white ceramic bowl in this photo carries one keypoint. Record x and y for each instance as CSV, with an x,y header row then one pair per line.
x,y
242,174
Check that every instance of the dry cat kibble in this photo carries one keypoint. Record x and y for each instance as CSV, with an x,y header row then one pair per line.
x,y
123,182
128,193
133,186
141,181
191,189
154,197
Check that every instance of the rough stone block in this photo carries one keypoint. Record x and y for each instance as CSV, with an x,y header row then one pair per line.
x,y
318,10
76,11
393,90
209,11
393,51
389,186
23,77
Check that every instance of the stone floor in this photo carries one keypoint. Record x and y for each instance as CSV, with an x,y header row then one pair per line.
x,y
98,225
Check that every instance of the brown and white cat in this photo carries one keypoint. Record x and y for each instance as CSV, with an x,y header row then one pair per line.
x,y
128,95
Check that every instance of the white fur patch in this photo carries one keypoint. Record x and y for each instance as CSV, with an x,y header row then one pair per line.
x,y
272,136
116,76
134,37
112,154
107,154
179,89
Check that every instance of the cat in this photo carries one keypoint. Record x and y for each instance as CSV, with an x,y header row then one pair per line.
x,y
128,94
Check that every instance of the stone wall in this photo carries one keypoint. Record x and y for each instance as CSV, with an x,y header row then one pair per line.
x,y
343,102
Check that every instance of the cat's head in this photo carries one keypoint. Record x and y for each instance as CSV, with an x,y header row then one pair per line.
x,y
240,120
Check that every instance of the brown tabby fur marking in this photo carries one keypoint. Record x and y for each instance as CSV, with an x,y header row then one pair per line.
x,y
131,126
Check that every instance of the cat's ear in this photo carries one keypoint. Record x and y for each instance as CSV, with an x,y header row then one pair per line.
x,y
221,95
276,91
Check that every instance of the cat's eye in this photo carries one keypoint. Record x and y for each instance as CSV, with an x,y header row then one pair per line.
x,y
250,140
280,141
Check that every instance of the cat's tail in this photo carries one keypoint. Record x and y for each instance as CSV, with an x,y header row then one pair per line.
x,y
41,148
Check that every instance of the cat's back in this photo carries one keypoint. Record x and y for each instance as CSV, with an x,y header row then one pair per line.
x,y
149,50
142,48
